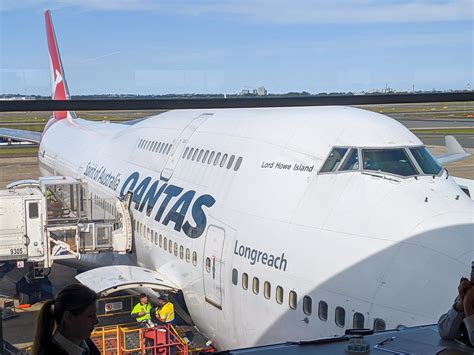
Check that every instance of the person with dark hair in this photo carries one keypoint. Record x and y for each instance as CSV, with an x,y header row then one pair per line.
x,y
165,314
65,323
142,311
458,322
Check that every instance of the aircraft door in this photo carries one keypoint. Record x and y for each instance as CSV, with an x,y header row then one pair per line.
x,y
213,265
182,141
34,228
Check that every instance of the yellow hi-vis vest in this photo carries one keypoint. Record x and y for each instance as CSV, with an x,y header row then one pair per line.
x,y
166,313
142,308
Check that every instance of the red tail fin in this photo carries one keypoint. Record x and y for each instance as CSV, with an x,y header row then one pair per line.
x,y
59,90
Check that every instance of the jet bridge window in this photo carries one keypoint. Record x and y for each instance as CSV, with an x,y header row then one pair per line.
x,y
393,161
351,162
425,160
333,160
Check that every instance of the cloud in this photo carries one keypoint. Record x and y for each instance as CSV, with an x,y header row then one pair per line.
x,y
281,11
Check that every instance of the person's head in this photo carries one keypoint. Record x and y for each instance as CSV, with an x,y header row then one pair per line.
x,y
72,312
163,299
143,298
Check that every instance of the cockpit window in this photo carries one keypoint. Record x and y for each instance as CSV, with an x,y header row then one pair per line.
x,y
333,160
352,161
426,161
394,161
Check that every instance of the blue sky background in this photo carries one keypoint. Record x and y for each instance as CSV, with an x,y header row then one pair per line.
x,y
160,47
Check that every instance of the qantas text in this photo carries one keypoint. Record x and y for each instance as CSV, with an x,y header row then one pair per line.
x,y
147,192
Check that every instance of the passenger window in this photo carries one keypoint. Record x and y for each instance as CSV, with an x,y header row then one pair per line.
x,y
165,244
255,285
188,255
201,152
33,211
379,325
323,310
358,321
352,161
238,163
175,249
190,153
181,252
307,305
169,149
218,156
210,157
224,158
195,154
231,160
235,276
267,290
161,241
170,246
185,152
148,233
292,300
204,158
394,161
333,160
245,281
158,147
340,317
279,294
195,258
208,265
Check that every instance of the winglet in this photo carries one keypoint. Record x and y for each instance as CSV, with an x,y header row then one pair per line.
x,y
455,152
59,90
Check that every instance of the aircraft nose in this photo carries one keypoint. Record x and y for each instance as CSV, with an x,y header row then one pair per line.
x,y
449,234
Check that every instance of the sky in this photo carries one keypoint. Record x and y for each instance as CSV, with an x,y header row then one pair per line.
x,y
221,46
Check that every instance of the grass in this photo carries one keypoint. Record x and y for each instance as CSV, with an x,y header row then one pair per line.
x,y
444,131
11,152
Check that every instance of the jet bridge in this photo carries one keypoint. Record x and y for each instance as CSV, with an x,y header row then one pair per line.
x,y
57,218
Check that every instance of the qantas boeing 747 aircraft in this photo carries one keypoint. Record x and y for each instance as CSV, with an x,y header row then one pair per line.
x,y
276,224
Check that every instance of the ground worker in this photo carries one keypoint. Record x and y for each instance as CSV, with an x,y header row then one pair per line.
x,y
142,311
165,311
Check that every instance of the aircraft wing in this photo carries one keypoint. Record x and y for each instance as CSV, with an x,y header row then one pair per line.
x,y
109,279
455,152
18,134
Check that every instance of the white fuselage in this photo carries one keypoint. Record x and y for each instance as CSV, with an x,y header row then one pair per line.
x,y
377,245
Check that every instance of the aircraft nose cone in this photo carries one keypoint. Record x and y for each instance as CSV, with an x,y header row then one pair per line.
x,y
450,234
